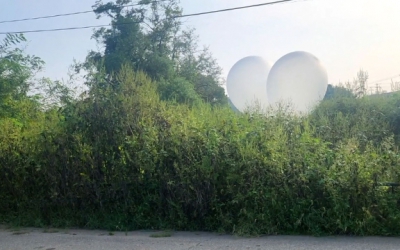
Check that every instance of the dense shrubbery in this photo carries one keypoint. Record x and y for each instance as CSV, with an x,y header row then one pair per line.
x,y
134,153
121,158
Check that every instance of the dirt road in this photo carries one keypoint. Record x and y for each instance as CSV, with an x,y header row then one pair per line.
x,y
24,239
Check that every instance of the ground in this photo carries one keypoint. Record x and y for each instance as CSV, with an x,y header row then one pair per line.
x,y
61,239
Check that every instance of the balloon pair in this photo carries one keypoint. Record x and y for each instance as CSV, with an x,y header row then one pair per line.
x,y
297,78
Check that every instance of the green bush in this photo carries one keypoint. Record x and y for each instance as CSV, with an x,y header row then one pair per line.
x,y
371,118
124,159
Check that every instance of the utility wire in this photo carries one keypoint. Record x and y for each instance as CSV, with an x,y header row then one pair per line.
x,y
70,14
60,29
389,78
235,8
173,17
45,17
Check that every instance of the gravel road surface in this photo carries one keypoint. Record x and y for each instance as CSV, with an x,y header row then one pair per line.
x,y
41,239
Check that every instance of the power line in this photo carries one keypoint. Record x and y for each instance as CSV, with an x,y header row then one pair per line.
x,y
45,17
69,14
60,29
236,8
173,17
389,78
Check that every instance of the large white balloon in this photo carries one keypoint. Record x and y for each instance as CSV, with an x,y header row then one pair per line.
x,y
246,82
298,78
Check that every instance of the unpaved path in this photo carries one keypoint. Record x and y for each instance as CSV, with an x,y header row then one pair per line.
x,y
24,239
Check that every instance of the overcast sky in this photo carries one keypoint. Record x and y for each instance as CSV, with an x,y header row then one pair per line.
x,y
346,35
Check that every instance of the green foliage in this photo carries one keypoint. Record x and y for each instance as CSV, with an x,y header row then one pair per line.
x,y
368,119
179,90
16,71
336,92
146,149
127,158
148,38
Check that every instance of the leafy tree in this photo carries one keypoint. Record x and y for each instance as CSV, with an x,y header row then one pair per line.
x,y
337,92
16,72
178,89
359,86
149,37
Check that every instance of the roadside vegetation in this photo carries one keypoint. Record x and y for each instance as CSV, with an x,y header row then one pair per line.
x,y
153,144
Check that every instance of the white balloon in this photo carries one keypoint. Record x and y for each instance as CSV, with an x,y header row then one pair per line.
x,y
246,82
298,78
